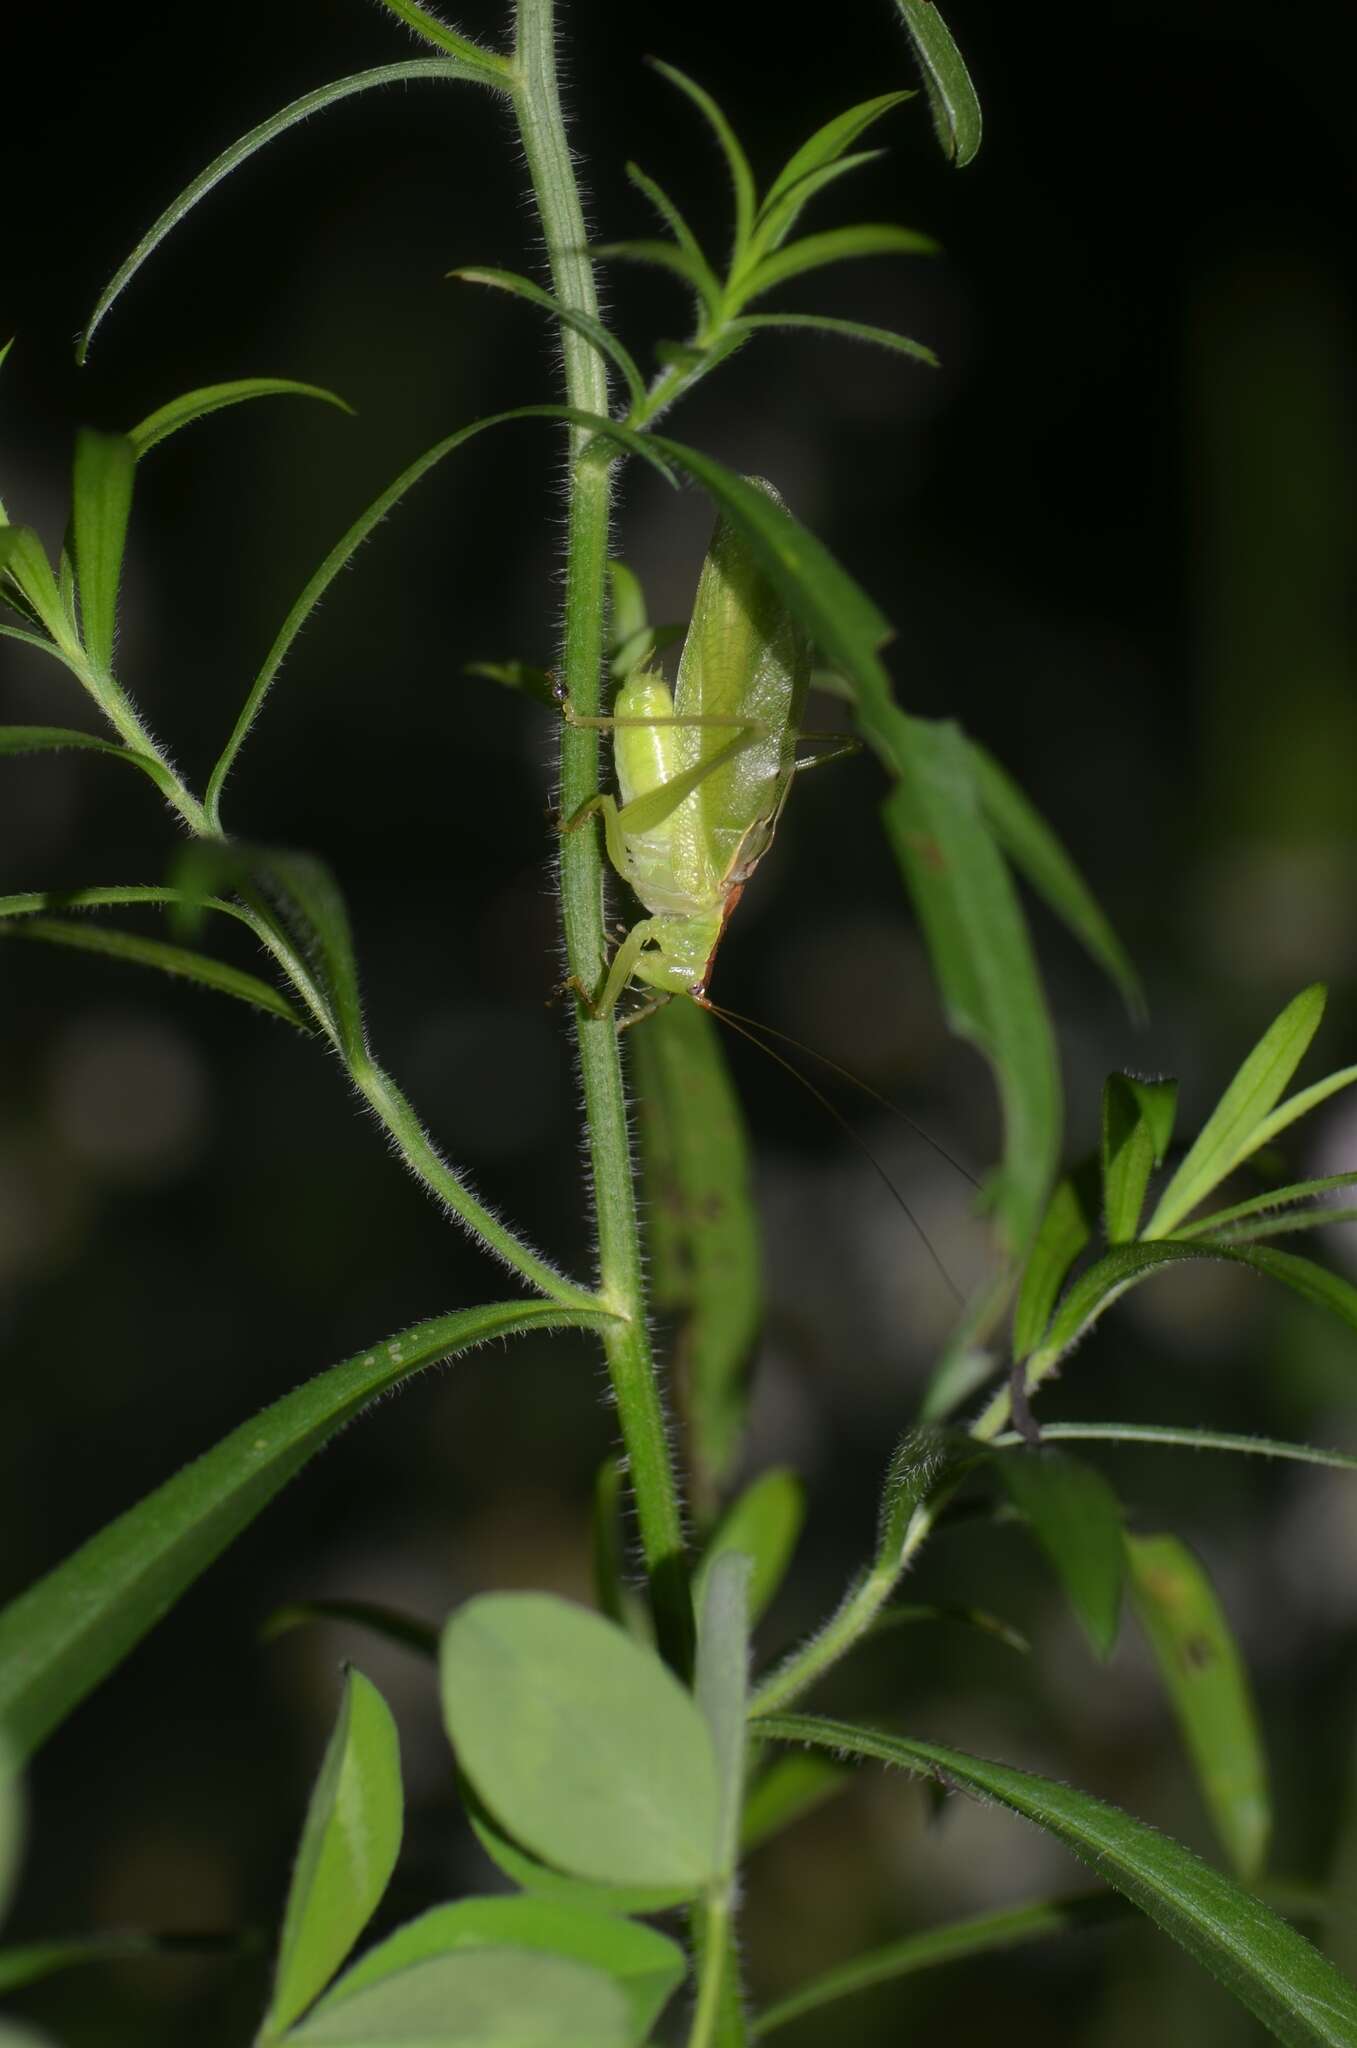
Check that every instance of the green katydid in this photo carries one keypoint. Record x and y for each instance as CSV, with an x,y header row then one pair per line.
x,y
702,773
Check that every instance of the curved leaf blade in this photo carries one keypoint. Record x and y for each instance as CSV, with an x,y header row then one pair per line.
x,y
983,1934
178,961
583,1744
593,330
737,163
847,330
829,143
1274,1199
348,545
101,505
951,95
1065,1229
1166,1437
1239,1123
210,398
646,1966
387,1622
53,739
425,23
1208,1688
1075,1517
1137,1126
59,1639
1273,1971
349,1846
835,245
1038,855
699,272
481,73
981,952
24,560
702,1227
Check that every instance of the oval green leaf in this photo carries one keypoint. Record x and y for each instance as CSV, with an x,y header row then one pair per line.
x,y
1285,1982
583,1744
348,1851
646,1966
482,1998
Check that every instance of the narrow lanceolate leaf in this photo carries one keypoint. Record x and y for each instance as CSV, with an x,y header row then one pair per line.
x,y
838,616
1238,1124
984,1934
1275,1201
646,1966
845,330
699,272
1076,1518
24,561
952,97
581,1743
39,1959
427,25
344,550
348,1851
100,506
1273,1971
139,951
1040,858
1162,1436
1297,1106
388,1622
721,1686
835,245
776,222
828,144
1209,1689
296,893
764,1522
982,956
1094,1292
737,163
58,1640
908,1614
53,739
583,323
196,405
1065,1229
1137,1126
483,72
704,1232
478,1998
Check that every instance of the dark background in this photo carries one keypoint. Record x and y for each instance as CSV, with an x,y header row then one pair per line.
x,y
1114,533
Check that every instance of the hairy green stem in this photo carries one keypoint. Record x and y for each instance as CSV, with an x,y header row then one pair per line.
x,y
714,1962
630,1361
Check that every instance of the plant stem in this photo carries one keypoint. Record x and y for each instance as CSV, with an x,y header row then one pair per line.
x,y
714,1960
630,1362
